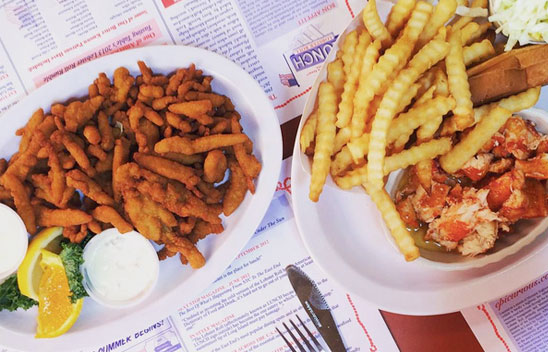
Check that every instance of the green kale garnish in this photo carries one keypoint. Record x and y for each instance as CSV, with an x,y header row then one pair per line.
x,y
11,298
71,255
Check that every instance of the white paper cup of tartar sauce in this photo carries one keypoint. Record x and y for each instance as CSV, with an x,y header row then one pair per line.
x,y
13,241
119,270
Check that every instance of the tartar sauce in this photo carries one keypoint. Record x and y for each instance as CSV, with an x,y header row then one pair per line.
x,y
13,241
119,269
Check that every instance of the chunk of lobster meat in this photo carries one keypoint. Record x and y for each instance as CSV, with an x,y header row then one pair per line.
x,y
495,142
476,168
520,137
500,166
543,145
462,218
407,213
526,203
536,167
480,241
429,206
500,189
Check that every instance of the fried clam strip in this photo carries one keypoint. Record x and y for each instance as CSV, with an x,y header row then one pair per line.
x,y
47,217
186,248
26,132
172,195
237,188
202,229
21,165
119,157
75,234
150,218
109,215
75,150
248,162
21,198
92,190
167,168
78,113
187,146
56,175
428,56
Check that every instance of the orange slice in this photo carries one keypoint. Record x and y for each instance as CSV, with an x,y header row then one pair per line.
x,y
56,313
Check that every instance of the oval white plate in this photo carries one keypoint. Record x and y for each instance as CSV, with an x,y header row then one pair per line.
x,y
345,235
177,283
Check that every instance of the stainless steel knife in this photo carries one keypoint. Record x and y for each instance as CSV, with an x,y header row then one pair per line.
x,y
316,307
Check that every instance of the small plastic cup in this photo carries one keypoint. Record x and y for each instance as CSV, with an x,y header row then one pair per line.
x,y
13,241
119,270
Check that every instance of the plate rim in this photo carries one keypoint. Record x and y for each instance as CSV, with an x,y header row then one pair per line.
x,y
164,307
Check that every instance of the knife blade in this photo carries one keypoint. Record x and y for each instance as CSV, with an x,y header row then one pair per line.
x,y
316,307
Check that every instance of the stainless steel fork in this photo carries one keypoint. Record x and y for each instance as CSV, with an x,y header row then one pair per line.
x,y
304,340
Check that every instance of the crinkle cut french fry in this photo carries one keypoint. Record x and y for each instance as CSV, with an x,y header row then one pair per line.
x,y
393,56
482,29
350,85
374,25
413,155
467,32
427,130
407,122
445,9
478,52
369,59
399,144
325,138
409,95
308,131
473,141
393,221
399,14
348,50
426,96
458,84
441,83
341,162
514,103
352,178
428,56
341,138
335,75
359,147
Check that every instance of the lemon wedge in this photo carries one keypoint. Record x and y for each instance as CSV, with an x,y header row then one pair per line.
x,y
56,313
30,272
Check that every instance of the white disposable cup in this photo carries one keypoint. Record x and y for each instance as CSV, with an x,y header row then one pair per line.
x,y
89,252
13,240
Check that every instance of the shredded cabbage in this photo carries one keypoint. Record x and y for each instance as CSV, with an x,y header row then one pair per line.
x,y
522,21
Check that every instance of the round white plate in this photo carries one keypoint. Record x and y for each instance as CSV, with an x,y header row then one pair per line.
x,y
177,283
344,233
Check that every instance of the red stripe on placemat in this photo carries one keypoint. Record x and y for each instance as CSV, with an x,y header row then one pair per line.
x,y
484,310
349,8
293,98
373,348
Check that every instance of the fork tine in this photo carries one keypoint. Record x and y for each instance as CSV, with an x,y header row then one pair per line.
x,y
310,334
301,348
286,342
310,348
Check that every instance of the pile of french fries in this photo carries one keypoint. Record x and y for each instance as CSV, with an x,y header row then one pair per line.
x,y
396,95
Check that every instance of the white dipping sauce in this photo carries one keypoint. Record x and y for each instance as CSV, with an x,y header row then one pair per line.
x,y
13,241
119,268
